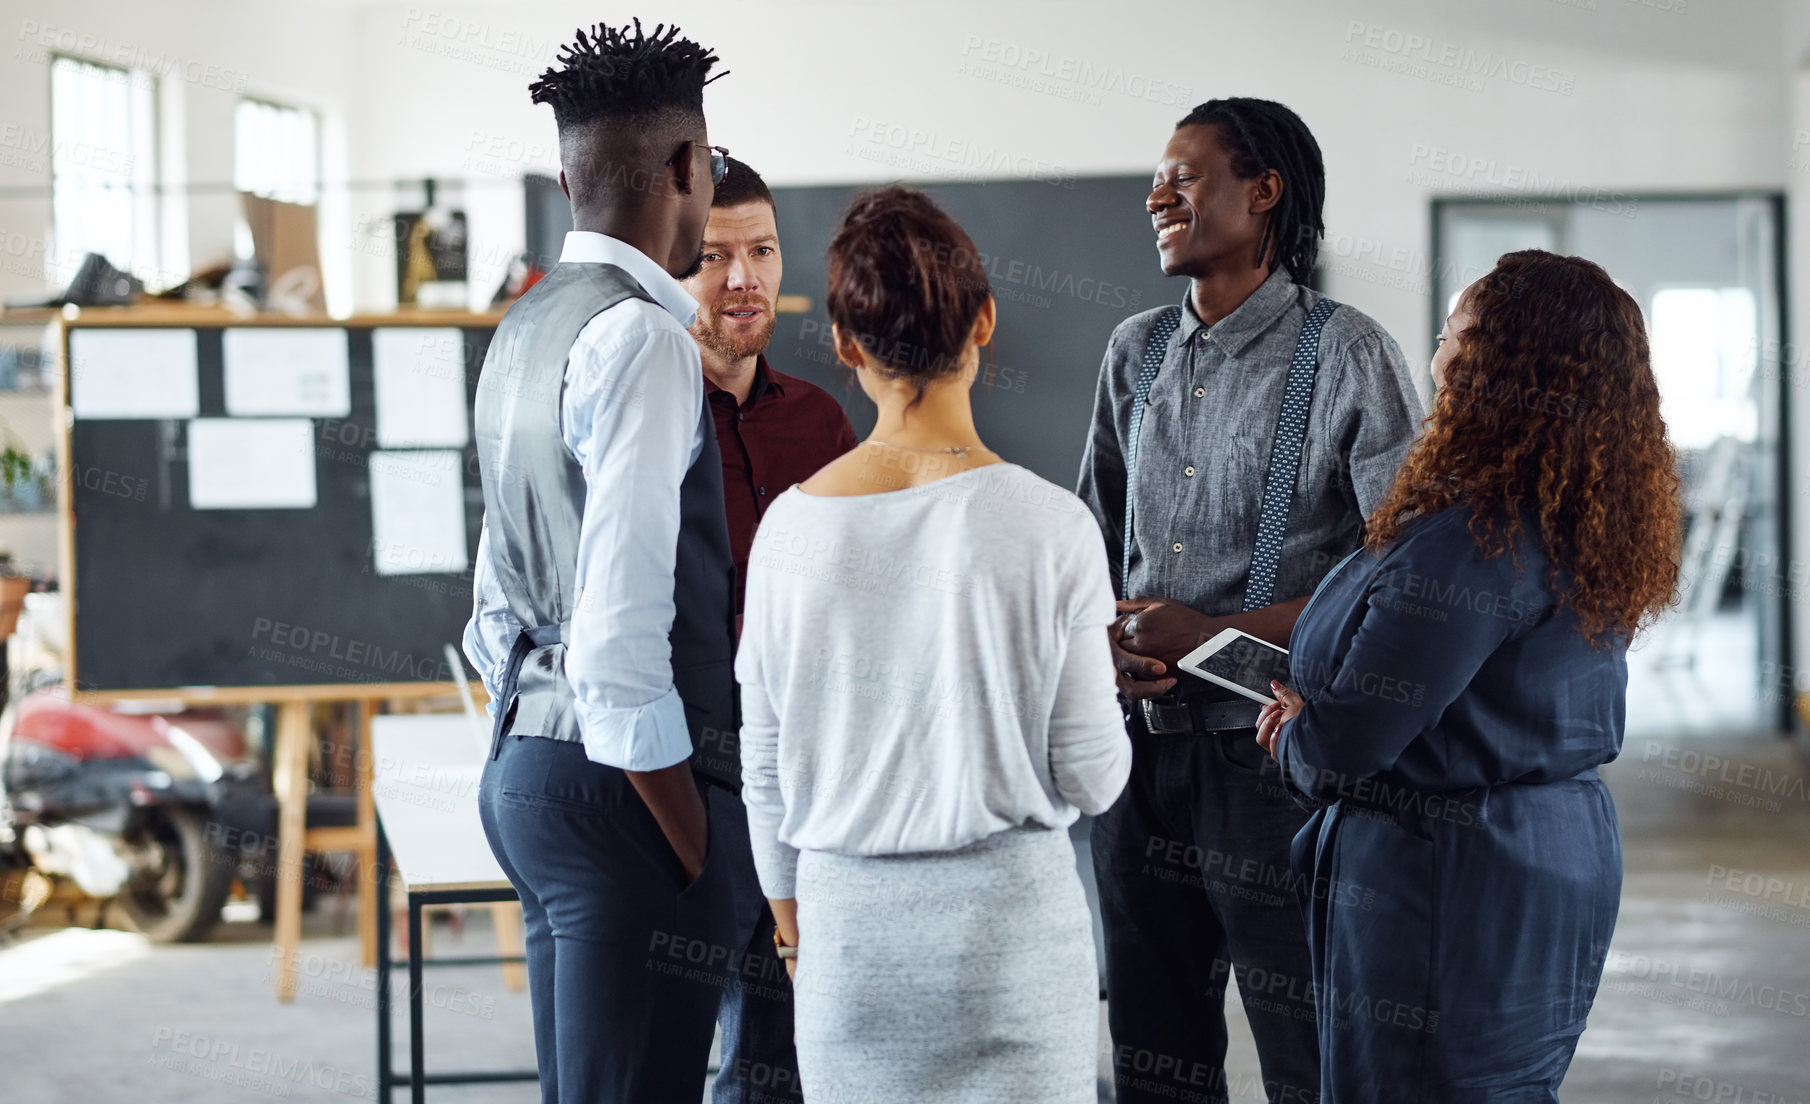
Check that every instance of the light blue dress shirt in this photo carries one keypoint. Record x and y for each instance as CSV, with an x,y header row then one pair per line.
x,y
629,415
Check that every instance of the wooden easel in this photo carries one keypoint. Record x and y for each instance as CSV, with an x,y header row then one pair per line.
x,y
294,737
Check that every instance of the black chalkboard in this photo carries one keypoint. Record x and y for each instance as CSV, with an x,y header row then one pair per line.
x,y
166,597
1068,259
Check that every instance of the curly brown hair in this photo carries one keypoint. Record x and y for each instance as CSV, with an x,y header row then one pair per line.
x,y
1549,404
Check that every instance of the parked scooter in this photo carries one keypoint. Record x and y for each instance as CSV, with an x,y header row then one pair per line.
x,y
152,811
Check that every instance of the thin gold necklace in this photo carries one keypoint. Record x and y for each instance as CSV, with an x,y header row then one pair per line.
x,y
954,450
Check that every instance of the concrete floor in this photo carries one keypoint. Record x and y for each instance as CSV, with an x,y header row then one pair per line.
x,y
1706,994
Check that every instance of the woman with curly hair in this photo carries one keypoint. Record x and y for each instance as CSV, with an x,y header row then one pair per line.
x,y
1458,681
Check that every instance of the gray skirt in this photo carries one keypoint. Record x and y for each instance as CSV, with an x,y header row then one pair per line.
x,y
961,976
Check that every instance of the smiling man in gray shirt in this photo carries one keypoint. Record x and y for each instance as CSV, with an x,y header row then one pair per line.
x,y
1272,421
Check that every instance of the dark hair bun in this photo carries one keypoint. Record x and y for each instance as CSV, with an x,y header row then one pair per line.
x,y
906,282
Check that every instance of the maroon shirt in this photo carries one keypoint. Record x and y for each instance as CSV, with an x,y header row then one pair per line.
x,y
786,430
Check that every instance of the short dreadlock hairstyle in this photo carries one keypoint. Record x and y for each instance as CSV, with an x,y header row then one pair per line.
x,y
1262,135
617,74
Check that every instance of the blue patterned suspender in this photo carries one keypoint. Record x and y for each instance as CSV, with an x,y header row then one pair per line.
x,y
1285,459
1285,452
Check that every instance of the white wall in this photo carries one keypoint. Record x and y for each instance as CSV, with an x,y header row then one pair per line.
x,y
1648,99
205,56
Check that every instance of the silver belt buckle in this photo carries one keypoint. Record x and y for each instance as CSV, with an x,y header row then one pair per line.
x,y
1164,719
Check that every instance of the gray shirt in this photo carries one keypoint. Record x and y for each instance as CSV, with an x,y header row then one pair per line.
x,y
1204,446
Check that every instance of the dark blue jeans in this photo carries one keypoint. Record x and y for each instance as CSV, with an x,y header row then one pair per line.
x,y
758,1064
1195,887
626,962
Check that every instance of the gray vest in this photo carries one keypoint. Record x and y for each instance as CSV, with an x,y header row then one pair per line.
x,y
534,494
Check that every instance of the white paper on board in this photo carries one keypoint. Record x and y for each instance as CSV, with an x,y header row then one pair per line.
x,y
418,512
277,370
419,377
139,373
251,464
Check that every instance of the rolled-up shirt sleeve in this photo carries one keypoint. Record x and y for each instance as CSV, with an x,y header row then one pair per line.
x,y
632,418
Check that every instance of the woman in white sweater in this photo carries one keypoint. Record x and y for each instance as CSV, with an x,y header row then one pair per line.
x,y
927,705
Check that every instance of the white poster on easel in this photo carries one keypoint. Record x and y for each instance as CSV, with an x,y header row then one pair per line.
x,y
251,464
133,373
418,512
283,370
418,375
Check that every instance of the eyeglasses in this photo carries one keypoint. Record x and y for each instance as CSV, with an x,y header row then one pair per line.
x,y
719,161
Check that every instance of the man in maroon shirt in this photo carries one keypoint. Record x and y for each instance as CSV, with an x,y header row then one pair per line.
x,y
773,430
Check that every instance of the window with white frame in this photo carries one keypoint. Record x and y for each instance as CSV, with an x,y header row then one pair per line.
x,y
102,170
276,152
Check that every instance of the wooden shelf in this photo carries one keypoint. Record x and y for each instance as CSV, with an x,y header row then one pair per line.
x,y
172,314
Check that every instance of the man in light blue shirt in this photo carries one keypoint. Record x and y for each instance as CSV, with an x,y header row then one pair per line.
x,y
603,612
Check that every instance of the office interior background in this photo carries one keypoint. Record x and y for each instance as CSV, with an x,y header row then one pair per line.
x,y
295,152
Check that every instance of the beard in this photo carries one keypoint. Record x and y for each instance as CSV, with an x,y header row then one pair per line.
x,y
697,265
710,332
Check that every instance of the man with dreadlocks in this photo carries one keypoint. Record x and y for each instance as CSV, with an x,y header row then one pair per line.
x,y
603,620
1238,442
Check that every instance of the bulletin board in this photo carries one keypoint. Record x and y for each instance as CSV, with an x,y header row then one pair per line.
x,y
268,508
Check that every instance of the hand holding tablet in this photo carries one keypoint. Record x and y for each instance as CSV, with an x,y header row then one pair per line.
x,y
1241,662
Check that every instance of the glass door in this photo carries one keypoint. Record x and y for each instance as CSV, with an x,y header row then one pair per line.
x,y
1706,272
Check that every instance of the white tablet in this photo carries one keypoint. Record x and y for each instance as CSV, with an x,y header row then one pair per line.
x,y
1239,661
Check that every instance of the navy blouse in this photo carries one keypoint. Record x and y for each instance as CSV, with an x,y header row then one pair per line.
x,y
1465,860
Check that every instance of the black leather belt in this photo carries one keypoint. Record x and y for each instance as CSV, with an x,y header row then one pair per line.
x,y
1195,716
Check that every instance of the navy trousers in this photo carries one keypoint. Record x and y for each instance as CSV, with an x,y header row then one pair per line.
x,y
626,961
758,1064
1196,887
